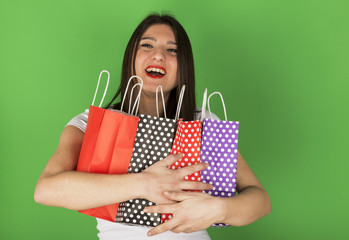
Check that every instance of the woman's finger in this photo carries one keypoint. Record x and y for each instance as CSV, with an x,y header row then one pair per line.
x,y
185,171
161,208
194,185
179,229
178,196
164,227
171,159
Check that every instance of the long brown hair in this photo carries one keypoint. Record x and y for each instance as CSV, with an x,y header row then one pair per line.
x,y
185,69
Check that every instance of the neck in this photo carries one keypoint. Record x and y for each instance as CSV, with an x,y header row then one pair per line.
x,y
148,104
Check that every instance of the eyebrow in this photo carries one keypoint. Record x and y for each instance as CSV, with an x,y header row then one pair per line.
x,y
153,39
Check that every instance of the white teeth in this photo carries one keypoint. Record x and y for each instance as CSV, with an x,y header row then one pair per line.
x,y
155,70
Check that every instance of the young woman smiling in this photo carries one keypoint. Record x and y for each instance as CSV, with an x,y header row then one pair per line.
x,y
159,51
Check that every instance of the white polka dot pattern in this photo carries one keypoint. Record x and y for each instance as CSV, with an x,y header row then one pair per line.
x,y
219,148
153,142
187,141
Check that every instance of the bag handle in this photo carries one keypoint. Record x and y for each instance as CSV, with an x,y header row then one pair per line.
x,y
105,90
138,96
208,103
163,101
180,100
203,108
136,104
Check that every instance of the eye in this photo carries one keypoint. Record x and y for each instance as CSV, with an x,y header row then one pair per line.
x,y
172,50
146,45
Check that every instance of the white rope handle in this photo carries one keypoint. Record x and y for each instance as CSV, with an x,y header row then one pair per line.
x,y
180,100
139,93
163,101
208,103
136,104
203,108
105,90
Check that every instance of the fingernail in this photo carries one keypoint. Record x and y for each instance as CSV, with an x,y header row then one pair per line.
x,y
145,210
150,233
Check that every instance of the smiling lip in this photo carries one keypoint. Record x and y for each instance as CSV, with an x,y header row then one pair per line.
x,y
158,67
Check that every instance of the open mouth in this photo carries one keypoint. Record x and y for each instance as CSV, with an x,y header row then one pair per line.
x,y
155,71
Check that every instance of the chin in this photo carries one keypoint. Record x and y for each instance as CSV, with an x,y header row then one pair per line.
x,y
149,88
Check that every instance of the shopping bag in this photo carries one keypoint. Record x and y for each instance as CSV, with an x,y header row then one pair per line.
x,y
107,145
187,141
153,142
219,149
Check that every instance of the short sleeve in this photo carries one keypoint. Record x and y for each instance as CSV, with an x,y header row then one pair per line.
x,y
79,121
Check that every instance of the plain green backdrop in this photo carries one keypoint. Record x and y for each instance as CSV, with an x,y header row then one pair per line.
x,y
281,65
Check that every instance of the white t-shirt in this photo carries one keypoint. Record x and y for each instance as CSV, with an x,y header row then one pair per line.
x,y
115,231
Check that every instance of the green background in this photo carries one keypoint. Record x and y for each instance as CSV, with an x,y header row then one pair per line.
x,y
282,67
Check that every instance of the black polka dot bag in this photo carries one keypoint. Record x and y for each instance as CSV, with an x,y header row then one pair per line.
x,y
219,148
108,144
153,142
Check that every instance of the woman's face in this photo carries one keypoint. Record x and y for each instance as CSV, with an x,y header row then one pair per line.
x,y
156,59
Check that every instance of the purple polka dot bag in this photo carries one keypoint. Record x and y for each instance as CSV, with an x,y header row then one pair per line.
x,y
219,149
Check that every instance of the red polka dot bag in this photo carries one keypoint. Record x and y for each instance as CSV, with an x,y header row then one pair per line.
x,y
187,141
219,149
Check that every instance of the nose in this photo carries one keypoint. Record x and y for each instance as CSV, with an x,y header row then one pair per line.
x,y
159,55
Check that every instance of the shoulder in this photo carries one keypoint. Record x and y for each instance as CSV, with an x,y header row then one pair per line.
x,y
79,121
198,114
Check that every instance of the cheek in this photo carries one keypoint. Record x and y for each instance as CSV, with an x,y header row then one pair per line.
x,y
174,66
138,64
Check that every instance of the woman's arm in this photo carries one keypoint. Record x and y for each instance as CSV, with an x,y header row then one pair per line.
x,y
196,211
60,185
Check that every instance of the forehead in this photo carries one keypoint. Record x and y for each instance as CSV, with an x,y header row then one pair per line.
x,y
159,31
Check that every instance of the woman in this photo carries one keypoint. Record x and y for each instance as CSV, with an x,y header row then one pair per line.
x,y
159,52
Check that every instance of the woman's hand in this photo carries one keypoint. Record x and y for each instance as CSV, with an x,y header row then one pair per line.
x,y
195,211
158,178
192,211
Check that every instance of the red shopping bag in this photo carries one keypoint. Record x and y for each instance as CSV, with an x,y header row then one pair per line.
x,y
187,141
107,147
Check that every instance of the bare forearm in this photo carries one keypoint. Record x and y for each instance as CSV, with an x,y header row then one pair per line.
x,y
248,206
79,190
